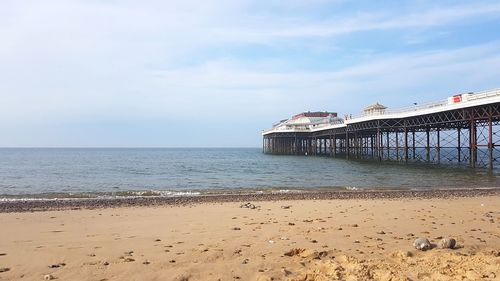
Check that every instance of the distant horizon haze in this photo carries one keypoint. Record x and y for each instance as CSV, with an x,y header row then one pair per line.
x,y
128,147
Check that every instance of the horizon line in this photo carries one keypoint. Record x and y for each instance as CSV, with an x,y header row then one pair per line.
x,y
161,147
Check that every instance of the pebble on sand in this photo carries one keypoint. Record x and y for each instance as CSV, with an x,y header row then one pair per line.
x,y
4,269
49,277
249,206
422,244
447,243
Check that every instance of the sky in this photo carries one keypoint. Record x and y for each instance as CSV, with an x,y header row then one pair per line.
x,y
183,73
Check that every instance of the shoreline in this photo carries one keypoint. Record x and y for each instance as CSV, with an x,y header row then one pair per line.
x,y
40,205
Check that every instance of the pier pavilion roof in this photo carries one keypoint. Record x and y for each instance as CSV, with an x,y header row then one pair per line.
x,y
375,108
312,117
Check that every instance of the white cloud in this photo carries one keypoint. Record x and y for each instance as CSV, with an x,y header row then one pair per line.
x,y
229,87
292,28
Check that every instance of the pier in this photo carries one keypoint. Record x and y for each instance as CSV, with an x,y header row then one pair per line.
x,y
462,129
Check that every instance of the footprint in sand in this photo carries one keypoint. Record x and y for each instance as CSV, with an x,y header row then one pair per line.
x,y
128,259
57,265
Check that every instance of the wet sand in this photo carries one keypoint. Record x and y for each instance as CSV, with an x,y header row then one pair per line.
x,y
351,238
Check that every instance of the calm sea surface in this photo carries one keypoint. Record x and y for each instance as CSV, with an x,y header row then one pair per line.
x,y
41,172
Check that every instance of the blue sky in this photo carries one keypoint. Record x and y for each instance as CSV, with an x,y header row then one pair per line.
x,y
215,73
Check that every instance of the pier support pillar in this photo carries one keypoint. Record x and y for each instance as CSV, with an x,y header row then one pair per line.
x,y
406,144
334,145
331,145
397,146
473,143
347,143
378,144
428,146
490,142
413,144
438,148
355,145
388,146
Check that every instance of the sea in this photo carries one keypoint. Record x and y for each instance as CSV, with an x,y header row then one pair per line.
x,y
34,173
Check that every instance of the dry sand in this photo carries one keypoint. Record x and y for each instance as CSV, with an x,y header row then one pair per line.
x,y
281,240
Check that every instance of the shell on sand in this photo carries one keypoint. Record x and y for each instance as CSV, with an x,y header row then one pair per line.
x,y
447,243
422,244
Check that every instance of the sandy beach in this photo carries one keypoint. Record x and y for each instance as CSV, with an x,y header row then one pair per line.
x,y
327,239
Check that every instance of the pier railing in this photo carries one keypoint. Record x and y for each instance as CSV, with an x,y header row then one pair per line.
x,y
432,105
485,94
397,111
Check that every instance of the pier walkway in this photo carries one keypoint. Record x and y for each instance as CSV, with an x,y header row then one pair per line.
x,y
463,129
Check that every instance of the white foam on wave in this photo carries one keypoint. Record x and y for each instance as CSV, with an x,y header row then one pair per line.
x,y
290,191
152,193
182,193
127,194
31,199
